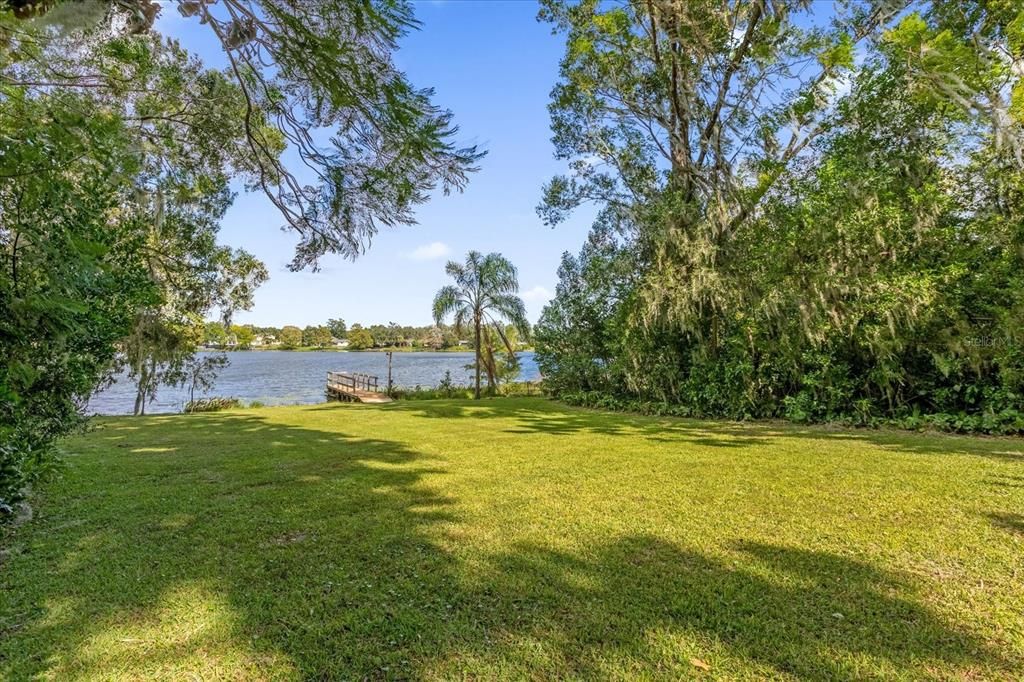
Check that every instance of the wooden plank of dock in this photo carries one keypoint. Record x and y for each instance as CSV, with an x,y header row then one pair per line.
x,y
360,388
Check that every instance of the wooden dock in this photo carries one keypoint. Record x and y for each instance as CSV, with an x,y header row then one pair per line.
x,y
358,388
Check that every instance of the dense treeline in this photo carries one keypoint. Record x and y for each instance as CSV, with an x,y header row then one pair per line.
x,y
109,211
811,221
336,333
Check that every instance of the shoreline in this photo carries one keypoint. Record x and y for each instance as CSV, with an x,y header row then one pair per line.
x,y
311,349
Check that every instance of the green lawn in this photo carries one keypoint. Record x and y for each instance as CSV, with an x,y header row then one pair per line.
x,y
511,539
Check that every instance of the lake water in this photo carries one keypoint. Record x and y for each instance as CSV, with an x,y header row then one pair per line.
x,y
293,378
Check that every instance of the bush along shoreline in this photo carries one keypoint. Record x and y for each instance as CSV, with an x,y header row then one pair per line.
x,y
1008,422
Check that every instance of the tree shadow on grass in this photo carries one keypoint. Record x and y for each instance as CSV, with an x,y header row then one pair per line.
x,y
544,416
1006,481
541,416
809,614
271,549
1008,521
314,540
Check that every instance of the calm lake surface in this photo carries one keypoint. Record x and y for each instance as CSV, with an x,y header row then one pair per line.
x,y
294,378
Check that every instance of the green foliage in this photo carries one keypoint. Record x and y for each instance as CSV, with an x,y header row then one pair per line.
x,y
243,335
290,337
447,389
212,405
803,408
433,338
393,335
427,393
200,372
840,54
581,332
214,334
875,274
70,278
521,389
298,70
183,189
359,338
337,327
446,386
316,336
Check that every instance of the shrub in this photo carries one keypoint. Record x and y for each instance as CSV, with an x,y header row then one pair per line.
x,y
522,388
212,405
446,385
1007,422
447,388
421,393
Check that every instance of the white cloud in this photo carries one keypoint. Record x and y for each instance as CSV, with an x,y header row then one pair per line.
x,y
431,251
537,293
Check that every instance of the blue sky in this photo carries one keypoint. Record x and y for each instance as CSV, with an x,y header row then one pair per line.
x,y
493,65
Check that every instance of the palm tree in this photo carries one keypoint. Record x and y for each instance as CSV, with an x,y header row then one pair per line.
x,y
484,294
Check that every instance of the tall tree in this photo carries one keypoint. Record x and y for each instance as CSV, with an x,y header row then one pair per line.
x,y
70,280
105,214
290,337
192,279
790,207
243,336
316,336
484,295
337,327
359,338
433,338
681,116
214,334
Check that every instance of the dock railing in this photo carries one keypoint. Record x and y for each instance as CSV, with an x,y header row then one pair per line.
x,y
346,382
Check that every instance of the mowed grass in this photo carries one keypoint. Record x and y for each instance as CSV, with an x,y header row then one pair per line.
x,y
515,539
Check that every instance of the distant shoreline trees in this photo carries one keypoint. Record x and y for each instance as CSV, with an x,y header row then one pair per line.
x,y
357,337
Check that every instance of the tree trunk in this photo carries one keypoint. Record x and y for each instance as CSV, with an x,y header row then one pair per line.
x,y
140,393
389,374
476,325
146,374
140,401
492,371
